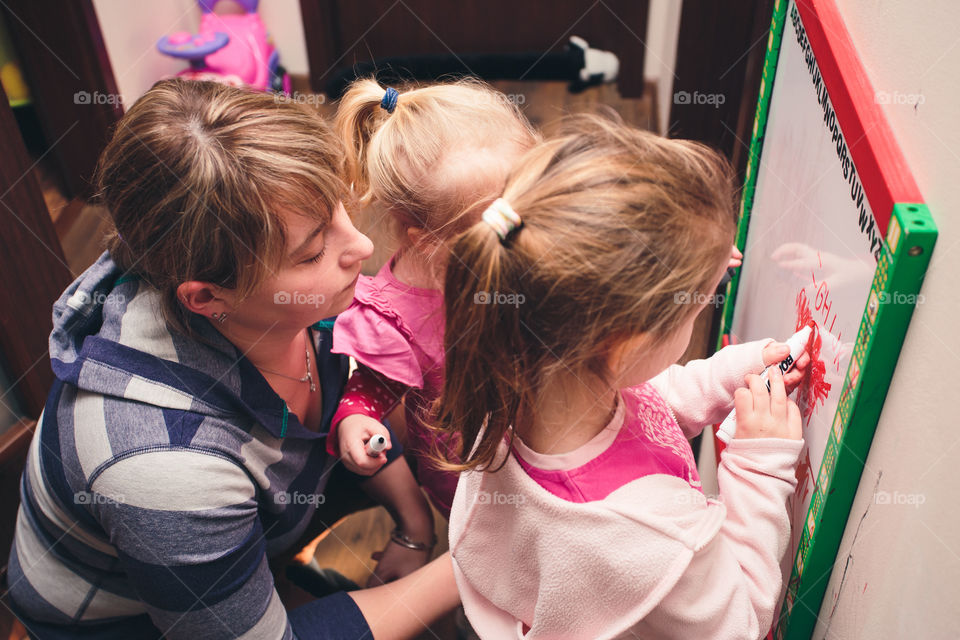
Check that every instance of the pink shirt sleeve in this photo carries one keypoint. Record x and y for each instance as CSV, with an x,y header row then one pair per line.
x,y
731,586
367,393
376,341
701,391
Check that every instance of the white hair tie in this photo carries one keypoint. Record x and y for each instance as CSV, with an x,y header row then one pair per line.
x,y
501,216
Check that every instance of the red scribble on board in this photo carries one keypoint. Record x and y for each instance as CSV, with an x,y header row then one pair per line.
x,y
813,389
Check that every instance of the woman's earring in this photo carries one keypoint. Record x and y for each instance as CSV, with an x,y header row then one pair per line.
x,y
219,317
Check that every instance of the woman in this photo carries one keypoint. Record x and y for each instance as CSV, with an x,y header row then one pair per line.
x,y
182,443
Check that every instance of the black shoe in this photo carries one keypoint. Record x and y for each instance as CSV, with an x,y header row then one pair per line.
x,y
319,582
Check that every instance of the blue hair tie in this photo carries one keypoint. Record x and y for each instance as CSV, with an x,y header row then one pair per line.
x,y
389,101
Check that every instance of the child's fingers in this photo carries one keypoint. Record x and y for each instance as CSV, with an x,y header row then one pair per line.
x,y
778,394
761,397
796,374
357,453
742,402
794,422
774,353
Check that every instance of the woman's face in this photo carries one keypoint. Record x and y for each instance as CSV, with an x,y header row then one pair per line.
x,y
317,277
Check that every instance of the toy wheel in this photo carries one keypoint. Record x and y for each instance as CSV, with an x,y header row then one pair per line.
x,y
192,47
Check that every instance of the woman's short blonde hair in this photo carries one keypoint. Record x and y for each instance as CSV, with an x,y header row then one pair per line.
x,y
194,179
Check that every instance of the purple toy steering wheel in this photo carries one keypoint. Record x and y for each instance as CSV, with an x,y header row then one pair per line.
x,y
192,47
207,6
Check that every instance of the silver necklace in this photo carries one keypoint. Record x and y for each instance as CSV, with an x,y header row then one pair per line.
x,y
307,377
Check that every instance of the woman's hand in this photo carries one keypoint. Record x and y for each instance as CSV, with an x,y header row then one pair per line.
x,y
354,432
763,414
777,351
396,561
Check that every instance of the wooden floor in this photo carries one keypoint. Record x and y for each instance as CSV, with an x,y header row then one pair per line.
x,y
348,546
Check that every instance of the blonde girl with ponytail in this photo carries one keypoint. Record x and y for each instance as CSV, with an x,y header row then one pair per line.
x,y
579,512
432,158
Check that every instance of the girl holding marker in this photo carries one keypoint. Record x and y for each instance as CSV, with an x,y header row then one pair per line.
x,y
579,512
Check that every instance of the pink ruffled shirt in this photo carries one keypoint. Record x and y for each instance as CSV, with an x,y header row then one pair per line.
x,y
591,544
396,330
642,438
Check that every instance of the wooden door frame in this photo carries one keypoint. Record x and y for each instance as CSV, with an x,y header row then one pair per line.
x,y
66,66
720,53
35,270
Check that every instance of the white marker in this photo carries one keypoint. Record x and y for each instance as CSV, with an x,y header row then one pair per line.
x,y
797,343
376,445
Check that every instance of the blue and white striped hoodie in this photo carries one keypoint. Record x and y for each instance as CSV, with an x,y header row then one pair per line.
x,y
163,473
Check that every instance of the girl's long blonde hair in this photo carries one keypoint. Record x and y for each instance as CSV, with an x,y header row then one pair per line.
x,y
621,230
432,162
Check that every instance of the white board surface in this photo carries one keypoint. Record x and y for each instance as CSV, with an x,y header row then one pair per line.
x,y
811,247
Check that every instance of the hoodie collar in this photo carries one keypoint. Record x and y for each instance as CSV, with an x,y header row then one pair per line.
x,y
110,338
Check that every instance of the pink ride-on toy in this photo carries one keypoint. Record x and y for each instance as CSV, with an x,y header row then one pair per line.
x,y
232,49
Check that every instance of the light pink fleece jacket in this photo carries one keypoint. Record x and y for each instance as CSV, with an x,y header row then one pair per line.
x,y
655,558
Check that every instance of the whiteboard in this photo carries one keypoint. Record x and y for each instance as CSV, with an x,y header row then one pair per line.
x,y
810,252
834,230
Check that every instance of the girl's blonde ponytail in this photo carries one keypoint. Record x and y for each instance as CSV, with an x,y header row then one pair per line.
x,y
440,156
358,117
622,230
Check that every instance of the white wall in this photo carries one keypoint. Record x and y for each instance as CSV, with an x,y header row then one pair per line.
x,y
902,578
131,30
663,30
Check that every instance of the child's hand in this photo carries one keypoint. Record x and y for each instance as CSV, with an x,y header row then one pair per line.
x,y
396,561
763,414
736,258
354,432
777,351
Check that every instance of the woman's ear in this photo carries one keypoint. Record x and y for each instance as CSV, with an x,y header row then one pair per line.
x,y
203,298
